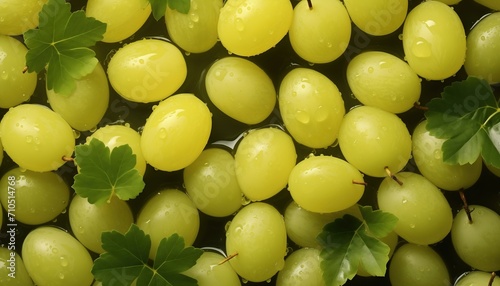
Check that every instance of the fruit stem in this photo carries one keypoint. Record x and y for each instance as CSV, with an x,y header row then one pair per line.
x,y
228,258
310,4
420,107
466,206
493,275
67,159
359,183
25,69
390,174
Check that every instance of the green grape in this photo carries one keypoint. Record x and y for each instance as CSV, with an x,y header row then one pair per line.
x,y
311,107
86,106
257,234
311,33
54,257
390,240
476,243
382,80
495,171
211,183
264,159
208,272
89,221
18,17
428,156
483,43
450,2
147,70
16,86
303,226
169,211
492,4
251,27
176,132
37,197
1,154
196,31
325,184
116,135
418,265
424,214
27,133
372,139
302,267
240,89
477,278
434,40
12,269
123,18
378,18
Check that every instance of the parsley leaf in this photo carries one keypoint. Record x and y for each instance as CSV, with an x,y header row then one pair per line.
x,y
126,259
159,7
60,44
104,173
349,241
467,116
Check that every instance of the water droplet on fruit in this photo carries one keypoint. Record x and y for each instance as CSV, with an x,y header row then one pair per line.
x,y
64,261
370,70
194,17
244,281
321,114
76,134
162,133
220,74
437,154
400,36
404,201
412,225
240,26
29,139
238,229
244,200
226,227
302,116
5,75
55,250
268,281
422,48
93,129
61,276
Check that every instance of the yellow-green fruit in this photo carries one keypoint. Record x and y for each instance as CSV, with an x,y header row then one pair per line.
x,y
311,34
251,27
311,106
240,89
54,257
147,70
122,18
15,86
434,40
36,197
258,235
19,16
195,31
209,272
176,132
377,17
492,4
12,269
85,107
483,43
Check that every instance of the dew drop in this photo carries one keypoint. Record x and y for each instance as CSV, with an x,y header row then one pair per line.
x,y
400,37
244,200
244,281
370,70
220,74
55,250
5,75
194,17
162,133
76,134
64,261
437,154
61,276
421,48
226,227
321,114
29,139
404,201
93,129
302,116
240,26
412,225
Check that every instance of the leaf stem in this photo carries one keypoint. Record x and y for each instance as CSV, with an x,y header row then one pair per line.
x,y
417,105
493,275
310,4
390,174
228,258
67,159
25,69
466,206
359,183
491,116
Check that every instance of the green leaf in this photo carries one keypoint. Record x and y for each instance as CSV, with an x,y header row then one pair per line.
x,y
348,242
104,173
159,7
180,5
379,223
467,116
60,45
126,259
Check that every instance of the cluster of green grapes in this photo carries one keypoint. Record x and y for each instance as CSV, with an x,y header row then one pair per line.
x,y
239,113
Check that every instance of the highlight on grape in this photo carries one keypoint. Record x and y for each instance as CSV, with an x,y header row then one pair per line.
x,y
249,142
